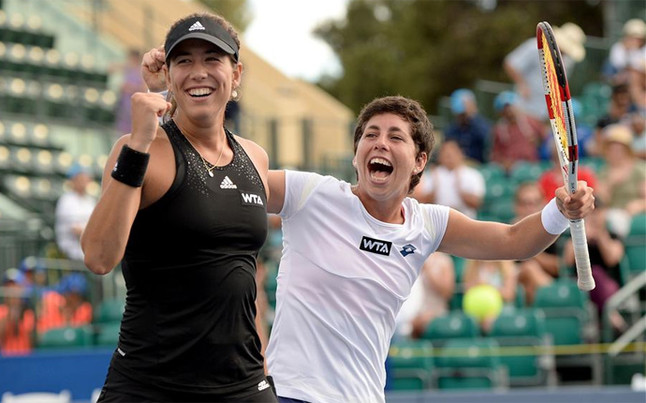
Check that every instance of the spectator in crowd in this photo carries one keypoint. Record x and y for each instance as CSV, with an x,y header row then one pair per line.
x,y
619,109
429,297
452,183
517,136
637,79
552,179
33,279
584,135
523,67
622,181
17,320
606,252
469,128
638,126
633,40
132,83
500,274
67,305
541,269
73,210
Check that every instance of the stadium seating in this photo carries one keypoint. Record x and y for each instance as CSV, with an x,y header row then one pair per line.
x,y
65,337
410,364
570,320
469,364
453,325
565,309
107,334
523,330
635,247
110,311
524,171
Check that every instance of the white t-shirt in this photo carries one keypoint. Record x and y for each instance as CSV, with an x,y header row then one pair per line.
x,y
447,191
342,279
72,209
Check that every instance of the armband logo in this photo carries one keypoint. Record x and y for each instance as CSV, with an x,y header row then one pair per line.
x,y
375,246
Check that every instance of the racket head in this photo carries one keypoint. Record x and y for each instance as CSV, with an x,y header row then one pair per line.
x,y
558,101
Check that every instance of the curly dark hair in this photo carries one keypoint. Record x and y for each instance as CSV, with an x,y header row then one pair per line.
x,y
409,110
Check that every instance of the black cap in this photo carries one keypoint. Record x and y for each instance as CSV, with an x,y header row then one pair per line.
x,y
201,28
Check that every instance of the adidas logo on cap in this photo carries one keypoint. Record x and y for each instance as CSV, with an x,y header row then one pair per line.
x,y
227,184
197,26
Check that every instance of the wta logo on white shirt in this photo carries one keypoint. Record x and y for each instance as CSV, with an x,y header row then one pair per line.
x,y
375,246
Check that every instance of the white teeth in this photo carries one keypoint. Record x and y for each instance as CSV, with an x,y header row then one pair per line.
x,y
199,91
381,161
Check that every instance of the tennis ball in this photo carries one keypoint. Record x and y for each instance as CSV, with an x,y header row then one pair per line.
x,y
482,301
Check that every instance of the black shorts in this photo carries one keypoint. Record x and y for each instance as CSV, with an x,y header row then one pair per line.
x,y
120,389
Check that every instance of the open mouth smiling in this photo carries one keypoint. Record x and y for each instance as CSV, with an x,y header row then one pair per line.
x,y
200,92
379,168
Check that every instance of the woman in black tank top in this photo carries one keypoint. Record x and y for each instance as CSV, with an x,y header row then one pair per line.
x,y
184,210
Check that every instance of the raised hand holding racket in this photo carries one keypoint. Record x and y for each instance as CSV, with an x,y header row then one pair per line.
x,y
559,107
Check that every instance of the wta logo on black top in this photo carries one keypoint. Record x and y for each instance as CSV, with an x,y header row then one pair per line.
x,y
375,246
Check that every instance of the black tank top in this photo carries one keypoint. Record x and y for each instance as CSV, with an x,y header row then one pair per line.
x,y
189,268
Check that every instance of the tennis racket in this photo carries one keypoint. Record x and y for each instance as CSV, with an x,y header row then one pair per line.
x,y
559,107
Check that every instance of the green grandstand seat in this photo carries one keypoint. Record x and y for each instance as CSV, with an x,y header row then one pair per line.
x,y
520,296
18,133
271,284
410,364
524,171
635,257
39,136
5,159
524,328
502,210
455,324
17,185
22,159
63,162
638,225
458,264
519,322
65,337
110,311
565,309
469,364
491,170
108,334
44,162
594,163
569,321
57,102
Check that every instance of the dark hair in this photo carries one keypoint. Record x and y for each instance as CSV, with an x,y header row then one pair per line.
x,y
409,110
211,17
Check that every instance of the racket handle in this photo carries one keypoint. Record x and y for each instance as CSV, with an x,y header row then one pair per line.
x,y
581,256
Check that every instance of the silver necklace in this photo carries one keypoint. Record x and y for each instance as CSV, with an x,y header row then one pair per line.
x,y
209,170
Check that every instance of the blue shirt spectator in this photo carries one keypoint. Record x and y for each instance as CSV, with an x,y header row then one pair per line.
x,y
469,129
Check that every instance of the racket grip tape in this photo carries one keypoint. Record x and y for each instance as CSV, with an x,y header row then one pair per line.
x,y
581,256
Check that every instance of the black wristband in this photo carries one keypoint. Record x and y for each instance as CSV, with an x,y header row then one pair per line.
x,y
131,166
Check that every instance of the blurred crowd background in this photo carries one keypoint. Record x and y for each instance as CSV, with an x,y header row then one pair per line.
x,y
68,68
